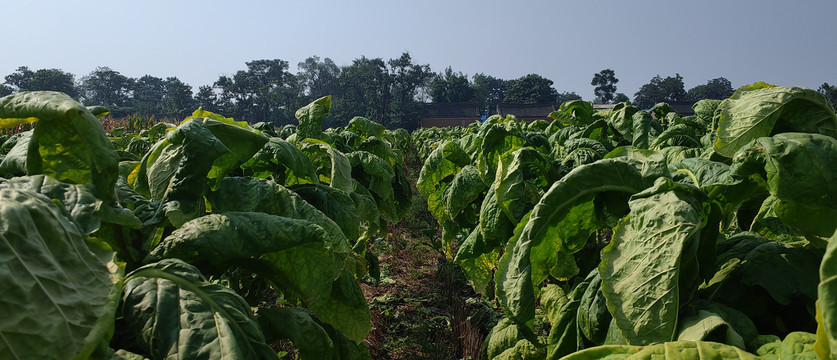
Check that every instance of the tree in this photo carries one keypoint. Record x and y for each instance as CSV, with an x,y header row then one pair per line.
x,y
660,90
208,99
620,98
406,80
266,91
451,87
318,78
24,79
566,96
531,89
148,91
830,93
177,101
365,89
605,85
5,90
108,88
719,89
489,91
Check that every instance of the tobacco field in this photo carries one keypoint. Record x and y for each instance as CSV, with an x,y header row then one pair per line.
x,y
618,234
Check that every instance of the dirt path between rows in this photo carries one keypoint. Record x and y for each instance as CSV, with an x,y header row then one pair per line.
x,y
423,307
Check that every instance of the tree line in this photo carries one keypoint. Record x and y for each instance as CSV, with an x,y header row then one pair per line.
x,y
389,91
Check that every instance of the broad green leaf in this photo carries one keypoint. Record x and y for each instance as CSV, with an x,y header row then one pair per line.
x,y
305,273
560,225
464,189
365,127
14,164
310,118
705,111
581,111
582,151
497,141
645,129
177,314
386,184
796,345
313,271
282,161
786,272
827,299
621,119
508,341
201,113
158,131
373,172
77,200
332,166
734,321
495,225
565,335
660,232
679,350
382,149
754,112
477,260
436,174
402,194
336,204
307,331
709,326
176,169
68,142
98,111
122,354
703,173
599,130
513,278
798,172
59,298
297,325
345,308
661,110
678,134
243,143
593,316
224,239
253,195
366,207
553,298
603,352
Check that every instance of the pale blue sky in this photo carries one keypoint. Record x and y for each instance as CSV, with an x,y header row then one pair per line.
x,y
780,42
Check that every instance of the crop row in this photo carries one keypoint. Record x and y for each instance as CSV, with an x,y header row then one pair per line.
x,y
211,239
645,234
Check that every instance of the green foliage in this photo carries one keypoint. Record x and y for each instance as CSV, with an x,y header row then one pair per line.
x,y
450,87
827,295
71,309
176,313
661,231
24,79
660,90
77,220
645,234
782,109
625,233
717,89
68,143
531,89
830,93
605,85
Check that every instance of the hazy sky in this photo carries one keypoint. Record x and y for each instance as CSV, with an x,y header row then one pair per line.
x,y
780,42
